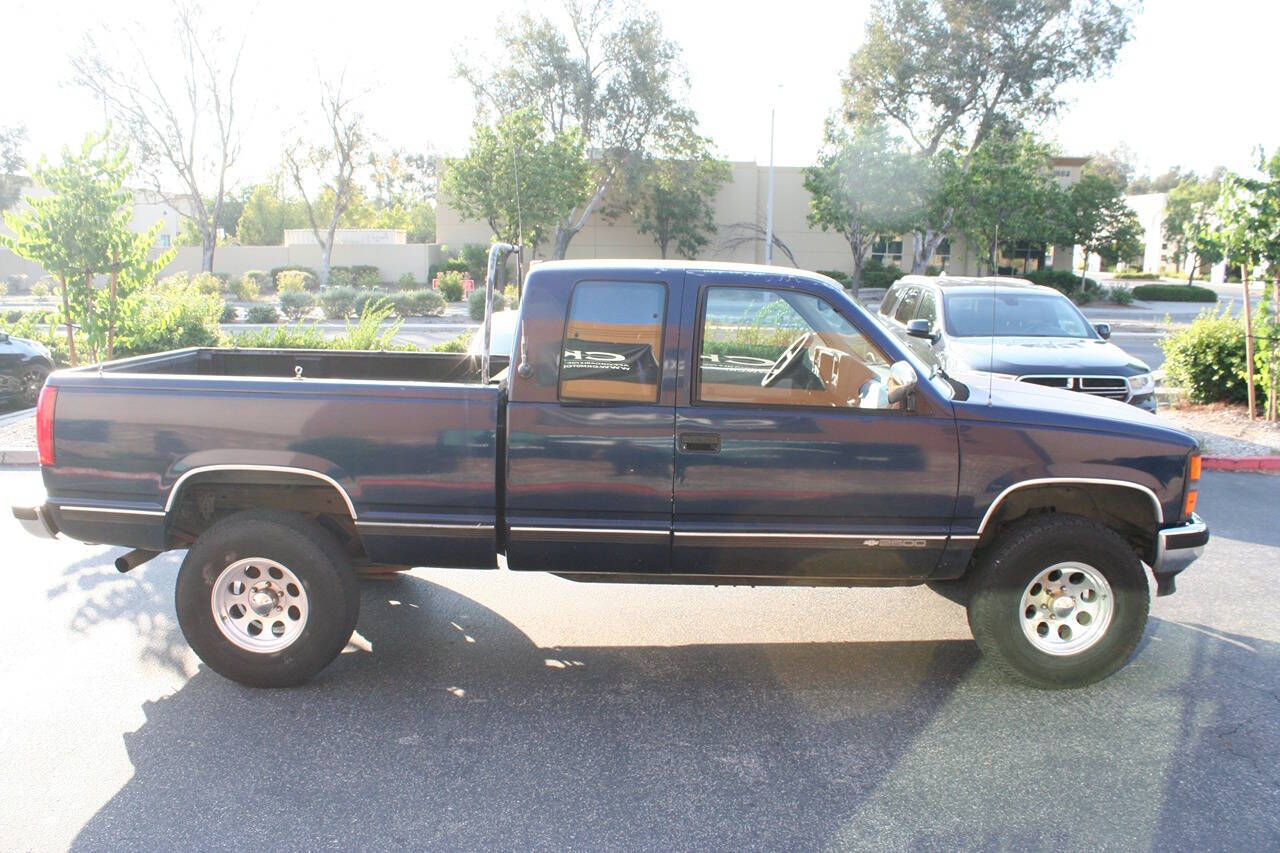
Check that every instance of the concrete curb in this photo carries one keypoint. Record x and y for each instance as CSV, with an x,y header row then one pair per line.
x,y
1240,463
22,456
17,416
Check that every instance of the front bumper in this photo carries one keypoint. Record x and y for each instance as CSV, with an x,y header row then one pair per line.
x,y
1176,549
36,521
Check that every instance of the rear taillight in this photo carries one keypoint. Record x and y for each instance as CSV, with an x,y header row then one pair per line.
x,y
1193,477
44,423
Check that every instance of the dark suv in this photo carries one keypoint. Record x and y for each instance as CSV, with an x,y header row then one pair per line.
x,y
1013,329
24,365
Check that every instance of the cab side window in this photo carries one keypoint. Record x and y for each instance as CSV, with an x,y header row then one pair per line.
x,y
782,347
890,297
612,346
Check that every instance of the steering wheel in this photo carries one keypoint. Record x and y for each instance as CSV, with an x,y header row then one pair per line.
x,y
788,358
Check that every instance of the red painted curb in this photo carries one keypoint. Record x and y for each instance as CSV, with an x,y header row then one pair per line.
x,y
1240,463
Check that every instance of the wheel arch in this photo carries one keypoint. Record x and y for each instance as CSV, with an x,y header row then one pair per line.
x,y
1130,509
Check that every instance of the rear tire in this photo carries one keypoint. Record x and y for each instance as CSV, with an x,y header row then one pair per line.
x,y
1059,601
267,598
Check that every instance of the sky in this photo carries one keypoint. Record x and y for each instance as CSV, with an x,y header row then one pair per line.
x,y
1192,89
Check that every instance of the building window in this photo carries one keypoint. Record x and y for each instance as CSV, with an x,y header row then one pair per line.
x,y
887,251
613,342
164,241
942,255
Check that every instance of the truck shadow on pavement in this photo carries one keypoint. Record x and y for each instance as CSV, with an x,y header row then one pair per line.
x,y
457,731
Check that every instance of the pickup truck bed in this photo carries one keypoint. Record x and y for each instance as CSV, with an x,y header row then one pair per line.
x,y
409,436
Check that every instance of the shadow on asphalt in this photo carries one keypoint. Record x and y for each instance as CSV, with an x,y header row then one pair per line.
x,y
456,731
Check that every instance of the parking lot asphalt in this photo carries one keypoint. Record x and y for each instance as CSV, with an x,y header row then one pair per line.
x,y
496,710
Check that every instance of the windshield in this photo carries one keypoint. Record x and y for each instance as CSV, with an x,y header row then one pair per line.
x,y
1025,315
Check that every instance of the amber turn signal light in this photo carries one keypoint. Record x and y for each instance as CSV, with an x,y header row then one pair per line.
x,y
1194,473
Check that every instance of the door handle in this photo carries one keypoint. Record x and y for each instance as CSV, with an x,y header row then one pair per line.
x,y
706,442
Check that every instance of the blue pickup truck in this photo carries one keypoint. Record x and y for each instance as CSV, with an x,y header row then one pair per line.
x,y
658,422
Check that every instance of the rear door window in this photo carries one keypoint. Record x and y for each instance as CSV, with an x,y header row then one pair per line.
x,y
612,346
907,307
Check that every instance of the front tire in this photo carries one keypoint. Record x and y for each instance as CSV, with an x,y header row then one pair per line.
x,y
267,598
1058,601
31,381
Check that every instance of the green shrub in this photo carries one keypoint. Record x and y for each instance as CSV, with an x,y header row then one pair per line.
x,y
932,270
171,313
291,281
1063,281
407,282
14,315
260,279
312,278
17,283
476,257
207,282
417,303
458,344
1207,358
1120,295
839,275
261,314
450,286
475,304
510,298
245,289
43,325
1091,292
1174,293
229,314
365,275
341,277
4,288
877,274
369,300
1134,275
40,289
296,304
282,337
338,303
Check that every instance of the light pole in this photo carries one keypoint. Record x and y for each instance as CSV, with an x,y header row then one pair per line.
x,y
768,228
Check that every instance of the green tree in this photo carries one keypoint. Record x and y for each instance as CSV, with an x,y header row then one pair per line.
x,y
1241,232
12,162
517,179
1100,221
334,163
181,118
267,213
864,185
672,198
81,232
949,72
1116,166
1189,222
613,76
1007,195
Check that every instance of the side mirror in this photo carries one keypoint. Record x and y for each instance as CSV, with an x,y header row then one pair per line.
x,y
1104,330
921,328
902,381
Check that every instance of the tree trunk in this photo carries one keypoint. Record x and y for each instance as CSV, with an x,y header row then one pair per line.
x,y
858,262
208,244
563,235
924,248
1248,339
1084,270
66,316
326,251
1275,346
111,312
1191,273
88,312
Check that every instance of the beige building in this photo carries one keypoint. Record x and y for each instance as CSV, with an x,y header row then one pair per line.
x,y
744,199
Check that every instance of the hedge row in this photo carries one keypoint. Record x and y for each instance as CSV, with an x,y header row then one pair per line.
x,y
1174,293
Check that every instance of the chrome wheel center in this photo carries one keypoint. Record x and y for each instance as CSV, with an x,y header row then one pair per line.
x,y
259,605
1066,608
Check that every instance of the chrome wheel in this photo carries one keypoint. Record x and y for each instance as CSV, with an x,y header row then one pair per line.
x,y
1066,608
31,381
259,605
